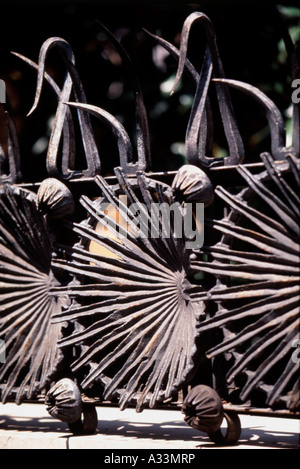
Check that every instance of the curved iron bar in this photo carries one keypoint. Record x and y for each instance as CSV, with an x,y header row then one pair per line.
x,y
212,66
275,119
206,135
68,128
72,80
13,153
124,144
143,138
189,67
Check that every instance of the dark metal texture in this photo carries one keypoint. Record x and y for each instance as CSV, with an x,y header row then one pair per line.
x,y
257,266
203,409
139,330
12,173
26,276
100,301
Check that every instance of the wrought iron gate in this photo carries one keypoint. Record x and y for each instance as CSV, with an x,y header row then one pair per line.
x,y
102,301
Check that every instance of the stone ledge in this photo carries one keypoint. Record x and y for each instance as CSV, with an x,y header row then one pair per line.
x,y
29,426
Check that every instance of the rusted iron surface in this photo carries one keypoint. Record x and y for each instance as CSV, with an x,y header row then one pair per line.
x,y
138,333
27,307
127,310
257,264
10,167
55,199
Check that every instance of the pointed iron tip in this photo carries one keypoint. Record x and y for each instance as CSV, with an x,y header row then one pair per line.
x,y
31,110
175,84
148,32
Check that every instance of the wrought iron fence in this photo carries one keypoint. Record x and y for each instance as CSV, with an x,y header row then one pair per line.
x,y
107,297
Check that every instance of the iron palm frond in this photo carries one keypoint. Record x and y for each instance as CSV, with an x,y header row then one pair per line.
x,y
26,306
138,331
259,312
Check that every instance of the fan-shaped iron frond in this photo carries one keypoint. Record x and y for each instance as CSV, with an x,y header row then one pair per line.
x,y
26,306
139,327
259,256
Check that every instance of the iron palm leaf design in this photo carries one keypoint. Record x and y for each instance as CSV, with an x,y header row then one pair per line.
x,y
26,305
259,308
138,331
